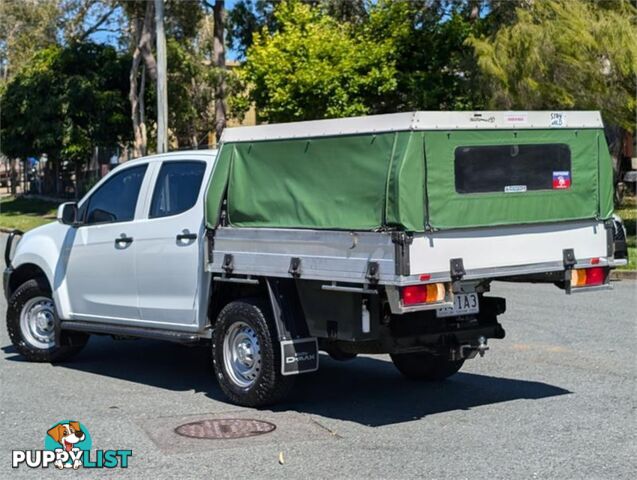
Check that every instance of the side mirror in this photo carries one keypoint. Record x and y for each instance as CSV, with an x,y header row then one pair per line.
x,y
67,213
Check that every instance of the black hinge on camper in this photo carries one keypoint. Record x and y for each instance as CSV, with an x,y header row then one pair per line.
x,y
223,216
373,274
610,238
228,263
457,272
210,237
401,242
456,267
295,267
568,257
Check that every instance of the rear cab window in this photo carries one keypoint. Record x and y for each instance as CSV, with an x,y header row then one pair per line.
x,y
512,168
177,187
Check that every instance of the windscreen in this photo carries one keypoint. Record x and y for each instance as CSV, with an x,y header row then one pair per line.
x,y
512,168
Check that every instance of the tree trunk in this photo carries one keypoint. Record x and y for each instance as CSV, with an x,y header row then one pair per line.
x,y
139,147
219,53
142,37
142,109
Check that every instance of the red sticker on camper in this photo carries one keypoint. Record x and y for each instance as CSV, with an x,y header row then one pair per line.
x,y
561,180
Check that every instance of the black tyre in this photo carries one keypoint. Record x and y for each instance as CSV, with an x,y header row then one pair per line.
x,y
246,355
32,324
425,366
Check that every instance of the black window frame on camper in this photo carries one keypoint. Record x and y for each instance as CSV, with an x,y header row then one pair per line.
x,y
510,168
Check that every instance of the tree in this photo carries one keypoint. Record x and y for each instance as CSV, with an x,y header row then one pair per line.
x,y
141,27
436,69
65,102
248,17
564,54
80,19
316,67
182,22
26,26
219,61
423,43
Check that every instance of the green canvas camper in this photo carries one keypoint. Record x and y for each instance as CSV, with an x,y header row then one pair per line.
x,y
418,172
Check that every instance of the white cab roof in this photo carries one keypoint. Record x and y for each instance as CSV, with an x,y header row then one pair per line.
x,y
398,122
176,155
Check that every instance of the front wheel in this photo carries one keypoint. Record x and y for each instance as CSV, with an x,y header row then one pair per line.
x,y
425,366
32,323
246,355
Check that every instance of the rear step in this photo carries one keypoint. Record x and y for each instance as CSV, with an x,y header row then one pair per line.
x,y
123,330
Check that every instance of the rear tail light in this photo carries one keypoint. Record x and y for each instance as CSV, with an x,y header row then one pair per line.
x,y
588,277
418,294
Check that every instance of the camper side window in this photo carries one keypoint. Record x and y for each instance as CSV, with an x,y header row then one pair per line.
x,y
512,168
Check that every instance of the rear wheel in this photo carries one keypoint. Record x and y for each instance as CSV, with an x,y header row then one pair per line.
x,y
246,355
425,366
32,324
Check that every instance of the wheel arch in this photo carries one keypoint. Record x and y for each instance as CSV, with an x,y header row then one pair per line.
x,y
280,294
222,293
24,273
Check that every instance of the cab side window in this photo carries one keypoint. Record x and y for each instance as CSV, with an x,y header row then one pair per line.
x,y
177,188
116,199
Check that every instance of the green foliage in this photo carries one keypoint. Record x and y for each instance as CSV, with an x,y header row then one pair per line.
x,y
192,82
570,54
190,93
65,102
245,19
416,51
248,17
315,67
436,71
26,26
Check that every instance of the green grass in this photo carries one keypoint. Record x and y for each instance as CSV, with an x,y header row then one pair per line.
x,y
628,212
25,213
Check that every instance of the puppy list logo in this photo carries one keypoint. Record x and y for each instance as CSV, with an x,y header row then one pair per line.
x,y
67,445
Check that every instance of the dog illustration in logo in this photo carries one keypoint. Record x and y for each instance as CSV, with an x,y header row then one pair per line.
x,y
67,435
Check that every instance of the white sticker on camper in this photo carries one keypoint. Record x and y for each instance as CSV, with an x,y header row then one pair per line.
x,y
516,118
514,188
558,120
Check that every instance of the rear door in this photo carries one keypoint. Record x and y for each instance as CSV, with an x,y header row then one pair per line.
x,y
170,247
502,177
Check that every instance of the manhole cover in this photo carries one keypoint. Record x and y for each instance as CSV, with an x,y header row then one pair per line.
x,y
225,428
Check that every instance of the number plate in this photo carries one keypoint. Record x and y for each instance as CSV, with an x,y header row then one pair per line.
x,y
463,304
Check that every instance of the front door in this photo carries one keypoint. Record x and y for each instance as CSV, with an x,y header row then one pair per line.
x,y
170,246
101,264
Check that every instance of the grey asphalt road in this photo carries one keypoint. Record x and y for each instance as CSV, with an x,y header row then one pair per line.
x,y
555,399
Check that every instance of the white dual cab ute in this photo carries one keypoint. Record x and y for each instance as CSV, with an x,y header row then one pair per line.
x,y
370,235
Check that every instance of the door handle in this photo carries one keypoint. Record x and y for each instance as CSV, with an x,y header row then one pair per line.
x,y
124,239
187,236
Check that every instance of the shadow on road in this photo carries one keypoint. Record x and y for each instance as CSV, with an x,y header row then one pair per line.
x,y
366,390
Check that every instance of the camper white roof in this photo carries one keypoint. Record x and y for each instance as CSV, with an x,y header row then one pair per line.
x,y
399,122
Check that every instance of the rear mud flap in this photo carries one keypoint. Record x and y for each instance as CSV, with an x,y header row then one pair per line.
x,y
299,356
